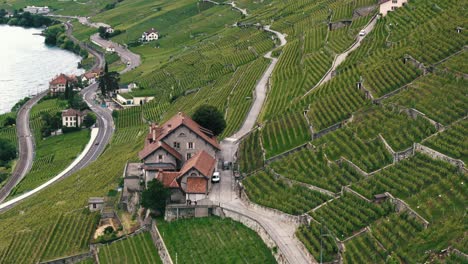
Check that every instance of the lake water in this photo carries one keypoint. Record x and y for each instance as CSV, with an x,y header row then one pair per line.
x,y
27,64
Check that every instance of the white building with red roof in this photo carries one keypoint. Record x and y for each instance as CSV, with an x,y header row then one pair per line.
x,y
182,155
150,35
58,83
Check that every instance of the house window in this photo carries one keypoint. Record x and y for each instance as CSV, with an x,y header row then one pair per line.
x,y
189,155
393,8
190,145
176,144
394,1
94,206
160,157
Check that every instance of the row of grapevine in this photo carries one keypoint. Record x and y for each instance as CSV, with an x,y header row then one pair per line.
x,y
193,241
394,233
398,128
250,153
284,133
318,241
369,155
136,249
263,188
349,214
312,167
406,178
69,234
363,249
440,96
452,141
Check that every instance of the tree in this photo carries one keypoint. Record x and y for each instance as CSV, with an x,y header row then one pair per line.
x,y
7,151
89,120
108,81
51,123
9,121
211,118
155,196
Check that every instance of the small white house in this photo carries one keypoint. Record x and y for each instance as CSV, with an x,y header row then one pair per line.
x,y
109,30
150,35
390,5
73,118
89,78
127,100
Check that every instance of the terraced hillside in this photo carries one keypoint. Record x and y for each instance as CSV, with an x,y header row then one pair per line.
x,y
358,135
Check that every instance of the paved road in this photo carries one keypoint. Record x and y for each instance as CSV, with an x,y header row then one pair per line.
x,y
105,127
25,147
342,57
131,59
281,232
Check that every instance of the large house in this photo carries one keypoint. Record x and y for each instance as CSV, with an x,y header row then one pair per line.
x,y
73,118
390,5
150,35
58,84
182,155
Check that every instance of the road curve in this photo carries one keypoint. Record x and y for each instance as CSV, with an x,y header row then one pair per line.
x,y
25,146
104,122
130,59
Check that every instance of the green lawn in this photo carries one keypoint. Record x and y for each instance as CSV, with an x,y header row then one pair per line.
x,y
137,249
213,240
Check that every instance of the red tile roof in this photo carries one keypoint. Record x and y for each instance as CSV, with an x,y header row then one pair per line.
x,y
90,75
196,185
150,148
72,112
202,161
62,79
152,30
169,179
182,119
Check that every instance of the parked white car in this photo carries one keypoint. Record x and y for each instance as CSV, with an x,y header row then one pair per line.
x,y
362,33
215,178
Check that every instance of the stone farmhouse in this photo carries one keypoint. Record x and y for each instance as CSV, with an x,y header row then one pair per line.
x,y
58,84
73,118
181,154
390,5
150,35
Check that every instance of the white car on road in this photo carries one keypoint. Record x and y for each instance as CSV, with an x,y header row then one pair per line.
x,y
215,178
362,33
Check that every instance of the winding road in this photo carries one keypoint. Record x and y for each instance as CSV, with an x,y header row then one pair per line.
x,y
25,146
280,231
100,136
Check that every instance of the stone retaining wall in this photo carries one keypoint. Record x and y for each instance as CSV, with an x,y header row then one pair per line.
x,y
402,206
258,228
347,189
296,219
160,245
306,185
286,153
437,155
70,259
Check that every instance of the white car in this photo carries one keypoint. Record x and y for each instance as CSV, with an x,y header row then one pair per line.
x,y
215,178
362,33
